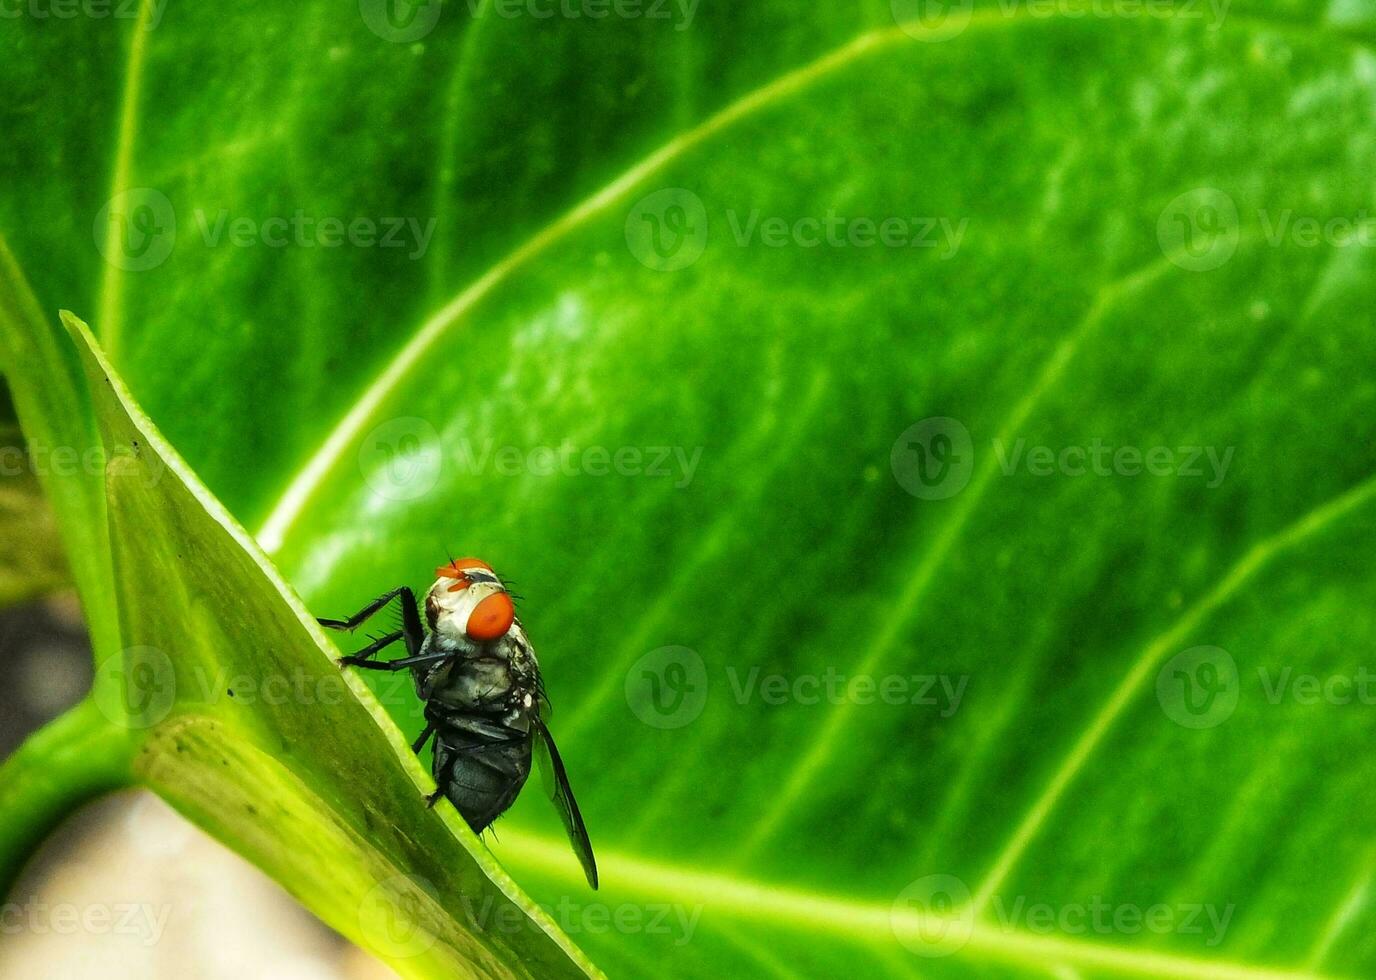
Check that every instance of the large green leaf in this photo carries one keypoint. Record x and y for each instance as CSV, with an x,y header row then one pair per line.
x,y
1125,182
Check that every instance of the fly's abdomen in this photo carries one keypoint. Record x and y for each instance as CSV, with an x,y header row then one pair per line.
x,y
480,765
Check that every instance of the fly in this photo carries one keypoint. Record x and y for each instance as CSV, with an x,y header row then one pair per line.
x,y
484,699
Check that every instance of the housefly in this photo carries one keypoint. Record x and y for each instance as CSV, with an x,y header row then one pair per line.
x,y
484,699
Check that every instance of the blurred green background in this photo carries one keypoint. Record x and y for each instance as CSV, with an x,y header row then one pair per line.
x,y
932,441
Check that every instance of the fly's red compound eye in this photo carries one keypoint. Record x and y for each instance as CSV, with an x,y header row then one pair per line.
x,y
491,617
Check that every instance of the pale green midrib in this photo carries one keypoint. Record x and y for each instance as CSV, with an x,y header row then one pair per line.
x,y
747,899
110,304
1256,558
814,758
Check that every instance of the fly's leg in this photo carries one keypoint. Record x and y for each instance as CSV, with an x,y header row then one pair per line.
x,y
402,664
359,656
411,630
419,743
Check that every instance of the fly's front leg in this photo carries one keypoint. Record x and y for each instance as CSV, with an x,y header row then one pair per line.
x,y
358,657
402,664
411,630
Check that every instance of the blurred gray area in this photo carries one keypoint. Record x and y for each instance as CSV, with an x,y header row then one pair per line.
x,y
126,888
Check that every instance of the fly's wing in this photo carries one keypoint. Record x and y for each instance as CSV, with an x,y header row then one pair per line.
x,y
557,786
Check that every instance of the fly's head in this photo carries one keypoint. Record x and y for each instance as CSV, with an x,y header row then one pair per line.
x,y
469,602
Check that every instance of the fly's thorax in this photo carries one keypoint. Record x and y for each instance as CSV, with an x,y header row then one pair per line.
x,y
497,677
